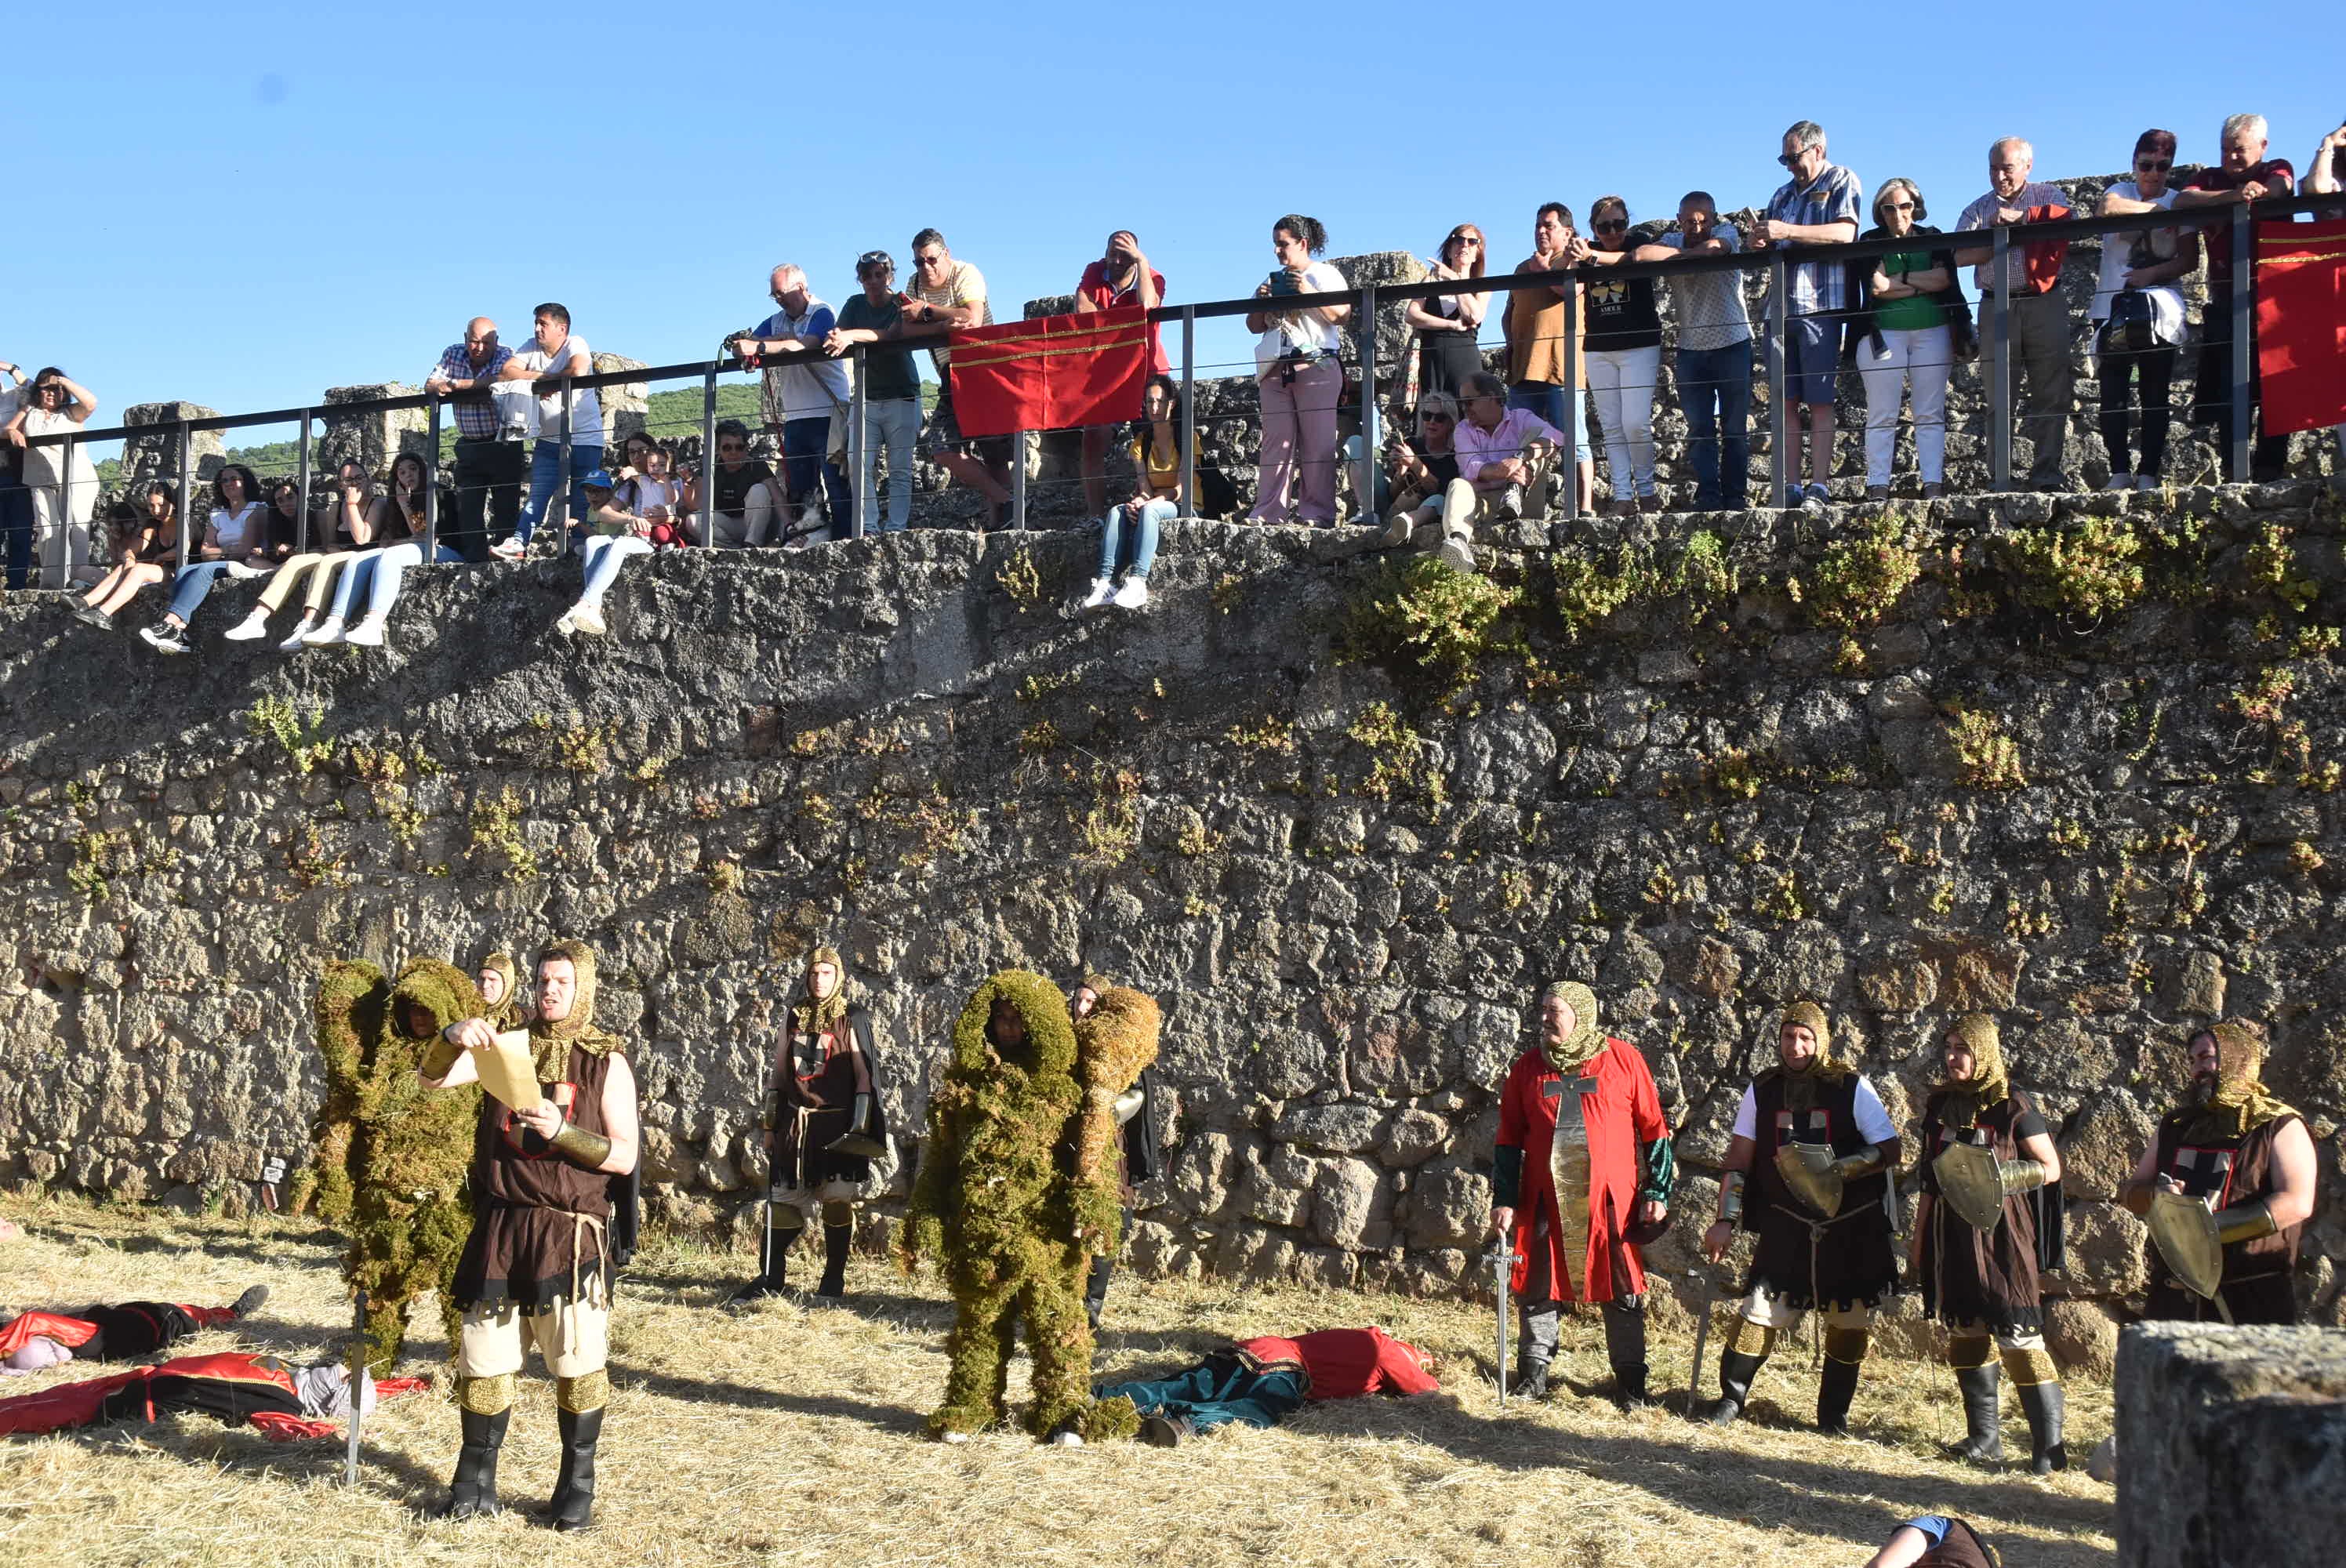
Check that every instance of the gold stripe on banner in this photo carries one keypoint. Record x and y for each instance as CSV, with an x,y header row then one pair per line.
x,y
965,357
996,345
2291,260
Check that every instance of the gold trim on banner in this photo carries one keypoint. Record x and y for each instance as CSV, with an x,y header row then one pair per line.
x,y
2285,260
1139,329
975,354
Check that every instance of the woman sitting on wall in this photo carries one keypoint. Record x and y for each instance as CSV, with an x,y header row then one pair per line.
x,y
614,534
1156,501
235,542
316,560
143,548
399,528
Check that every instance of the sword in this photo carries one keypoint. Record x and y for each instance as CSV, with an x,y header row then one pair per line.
x,y
1503,1266
1701,1333
358,1386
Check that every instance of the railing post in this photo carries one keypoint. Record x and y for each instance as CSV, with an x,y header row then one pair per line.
x,y
432,481
301,524
1999,399
2243,308
1569,458
1365,479
560,505
864,492
709,459
1189,410
1780,395
64,513
1019,481
186,484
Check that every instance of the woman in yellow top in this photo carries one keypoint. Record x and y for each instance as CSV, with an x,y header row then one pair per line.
x,y
1156,500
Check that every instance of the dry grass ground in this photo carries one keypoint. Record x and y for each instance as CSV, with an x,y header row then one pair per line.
x,y
787,1437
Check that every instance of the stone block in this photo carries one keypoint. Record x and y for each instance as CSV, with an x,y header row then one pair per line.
x,y
156,455
2106,1251
2194,985
1903,980
2231,1446
370,439
1347,1195
2100,1148
2082,1336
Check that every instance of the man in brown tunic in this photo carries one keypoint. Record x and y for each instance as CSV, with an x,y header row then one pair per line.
x,y
536,1270
2249,1157
1983,1137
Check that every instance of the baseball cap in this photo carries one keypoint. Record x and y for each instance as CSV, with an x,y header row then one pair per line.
x,y
595,478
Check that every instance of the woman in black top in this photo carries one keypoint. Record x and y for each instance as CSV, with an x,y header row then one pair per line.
x,y
1625,361
1448,324
144,539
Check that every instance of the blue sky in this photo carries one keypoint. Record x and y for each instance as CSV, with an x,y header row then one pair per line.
x,y
243,204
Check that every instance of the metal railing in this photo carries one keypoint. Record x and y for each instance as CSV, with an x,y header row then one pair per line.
x,y
2235,221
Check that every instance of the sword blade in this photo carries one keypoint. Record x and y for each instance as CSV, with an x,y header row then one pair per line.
x,y
358,1372
1701,1337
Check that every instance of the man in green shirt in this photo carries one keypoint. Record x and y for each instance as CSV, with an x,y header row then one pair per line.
x,y
892,391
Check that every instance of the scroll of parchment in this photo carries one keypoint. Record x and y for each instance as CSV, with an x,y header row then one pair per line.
x,y
509,1073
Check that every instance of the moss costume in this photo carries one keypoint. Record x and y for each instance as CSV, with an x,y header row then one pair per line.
x,y
392,1157
1017,1192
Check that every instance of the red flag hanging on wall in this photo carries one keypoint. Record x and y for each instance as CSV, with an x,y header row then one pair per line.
x,y
1054,372
2302,324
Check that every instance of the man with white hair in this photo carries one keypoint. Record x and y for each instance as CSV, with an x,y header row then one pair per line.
x,y
805,393
2246,174
2029,294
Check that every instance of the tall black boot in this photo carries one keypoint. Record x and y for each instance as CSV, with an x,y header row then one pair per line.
x,y
472,1493
1844,1359
1739,1361
573,1507
1096,1290
1539,1325
838,1241
773,1279
1983,1415
2038,1383
1625,1348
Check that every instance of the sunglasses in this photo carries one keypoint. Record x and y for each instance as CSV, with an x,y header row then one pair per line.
x,y
1433,417
1464,239
1899,206
1611,225
1788,159
2154,165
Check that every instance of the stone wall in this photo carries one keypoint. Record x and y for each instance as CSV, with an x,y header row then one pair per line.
x,y
2234,1444
2072,765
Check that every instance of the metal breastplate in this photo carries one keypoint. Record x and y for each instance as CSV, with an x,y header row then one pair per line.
x,y
1569,1171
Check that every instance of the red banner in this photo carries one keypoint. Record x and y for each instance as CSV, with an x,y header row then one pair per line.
x,y
2302,324
1054,372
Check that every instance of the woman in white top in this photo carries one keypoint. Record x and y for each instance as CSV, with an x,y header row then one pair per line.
x,y
649,490
62,501
2136,337
236,541
1299,374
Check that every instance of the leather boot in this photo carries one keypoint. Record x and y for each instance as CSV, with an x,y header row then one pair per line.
x,y
838,1240
1625,1348
1983,1415
1531,1378
1844,1359
472,1493
1096,1290
2044,1404
773,1279
1736,1370
573,1506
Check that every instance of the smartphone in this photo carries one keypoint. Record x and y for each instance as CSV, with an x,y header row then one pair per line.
x,y
1283,283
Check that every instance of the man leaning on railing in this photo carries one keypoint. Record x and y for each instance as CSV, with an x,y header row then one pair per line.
x,y
556,352
1818,206
2029,295
2246,174
489,444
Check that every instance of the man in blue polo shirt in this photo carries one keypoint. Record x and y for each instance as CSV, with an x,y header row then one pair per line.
x,y
811,392
1818,206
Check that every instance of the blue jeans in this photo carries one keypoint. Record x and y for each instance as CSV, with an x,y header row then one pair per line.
x,y
16,526
1715,389
805,442
386,566
893,422
194,583
1217,1391
1154,515
545,473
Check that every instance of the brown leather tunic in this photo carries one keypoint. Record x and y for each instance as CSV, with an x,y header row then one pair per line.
x,y
2231,1168
1971,1276
527,1245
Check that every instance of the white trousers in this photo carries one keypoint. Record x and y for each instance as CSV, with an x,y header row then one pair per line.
x,y
1623,382
1922,360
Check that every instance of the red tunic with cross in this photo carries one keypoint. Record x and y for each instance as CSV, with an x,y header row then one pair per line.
x,y
1622,1111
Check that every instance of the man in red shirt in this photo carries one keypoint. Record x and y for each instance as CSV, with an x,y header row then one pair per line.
x,y
1259,1382
2244,174
1121,277
1595,1187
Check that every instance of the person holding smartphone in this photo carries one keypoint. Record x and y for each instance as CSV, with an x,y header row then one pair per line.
x,y
1299,376
1122,277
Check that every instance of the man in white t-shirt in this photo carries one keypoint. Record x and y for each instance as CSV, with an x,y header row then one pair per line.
x,y
1714,353
556,350
947,294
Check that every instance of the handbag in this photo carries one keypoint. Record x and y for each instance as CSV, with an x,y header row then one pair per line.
x,y
2131,328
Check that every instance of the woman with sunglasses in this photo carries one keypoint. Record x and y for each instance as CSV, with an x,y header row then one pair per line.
x,y
1624,361
2138,319
1448,324
1902,343
235,542
1422,475
56,405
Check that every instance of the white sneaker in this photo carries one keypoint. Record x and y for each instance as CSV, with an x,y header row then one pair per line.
x,y
1133,595
1102,592
1457,554
367,634
2120,482
330,631
1064,1439
568,622
295,642
248,628
588,618
512,548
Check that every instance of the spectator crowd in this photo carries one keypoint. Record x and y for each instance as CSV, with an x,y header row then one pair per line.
x,y
1480,437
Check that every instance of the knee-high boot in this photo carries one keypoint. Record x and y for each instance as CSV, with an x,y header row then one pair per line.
x,y
1096,1290
1844,1359
2038,1383
573,1507
1975,1365
1739,1361
1539,1329
773,1278
472,1492
1625,1348
838,1241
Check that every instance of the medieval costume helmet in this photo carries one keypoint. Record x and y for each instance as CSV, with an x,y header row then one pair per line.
x,y
1989,1085
1581,1046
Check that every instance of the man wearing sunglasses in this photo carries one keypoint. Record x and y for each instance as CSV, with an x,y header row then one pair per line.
x,y
2028,294
1818,206
946,294
805,391
2246,174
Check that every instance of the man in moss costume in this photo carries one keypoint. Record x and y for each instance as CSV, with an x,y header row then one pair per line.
x,y
1017,1194
1136,1145
390,1158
